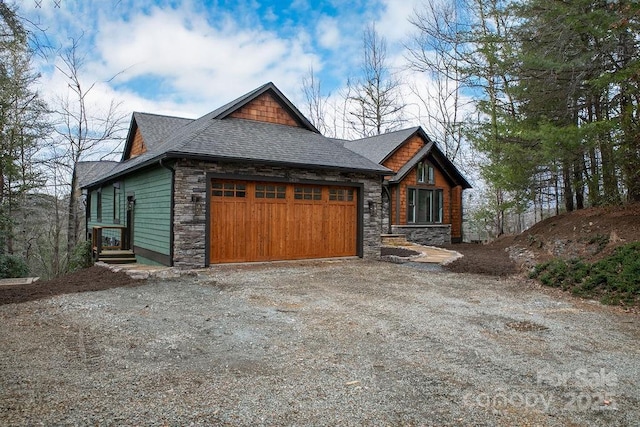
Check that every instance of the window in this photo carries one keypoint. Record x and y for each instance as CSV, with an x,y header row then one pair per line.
x,y
425,206
307,193
341,194
228,189
99,205
116,203
425,173
270,191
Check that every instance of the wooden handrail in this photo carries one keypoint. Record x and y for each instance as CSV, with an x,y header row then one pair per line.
x,y
98,239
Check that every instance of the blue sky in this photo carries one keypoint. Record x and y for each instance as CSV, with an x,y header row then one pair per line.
x,y
186,58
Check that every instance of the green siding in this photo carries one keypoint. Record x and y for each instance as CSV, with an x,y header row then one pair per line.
x,y
107,207
146,261
152,211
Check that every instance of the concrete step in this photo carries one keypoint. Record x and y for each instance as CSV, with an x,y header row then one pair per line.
x,y
394,239
109,260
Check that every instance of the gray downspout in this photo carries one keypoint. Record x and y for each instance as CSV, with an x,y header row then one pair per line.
x,y
385,189
173,180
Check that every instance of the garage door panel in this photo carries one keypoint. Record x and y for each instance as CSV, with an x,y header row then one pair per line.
x,y
264,221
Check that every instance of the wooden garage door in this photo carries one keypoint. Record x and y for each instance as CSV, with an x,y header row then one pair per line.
x,y
257,221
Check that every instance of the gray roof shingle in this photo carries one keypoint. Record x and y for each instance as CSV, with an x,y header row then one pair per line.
x,y
155,128
217,136
378,148
259,141
87,172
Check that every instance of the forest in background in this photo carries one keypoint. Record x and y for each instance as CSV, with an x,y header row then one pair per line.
x,y
539,99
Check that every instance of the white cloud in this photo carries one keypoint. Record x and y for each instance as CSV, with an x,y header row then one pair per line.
x,y
198,60
394,23
328,33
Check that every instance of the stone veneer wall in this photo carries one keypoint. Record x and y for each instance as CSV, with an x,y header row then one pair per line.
x,y
190,198
385,213
429,235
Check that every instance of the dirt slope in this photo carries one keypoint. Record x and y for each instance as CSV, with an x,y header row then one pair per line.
x,y
589,234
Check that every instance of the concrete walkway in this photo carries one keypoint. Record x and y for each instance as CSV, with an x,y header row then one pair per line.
x,y
432,254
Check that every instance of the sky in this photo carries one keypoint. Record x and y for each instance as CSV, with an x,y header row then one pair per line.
x,y
186,58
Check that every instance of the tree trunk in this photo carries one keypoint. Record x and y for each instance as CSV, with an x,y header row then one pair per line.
x,y
72,223
568,190
578,180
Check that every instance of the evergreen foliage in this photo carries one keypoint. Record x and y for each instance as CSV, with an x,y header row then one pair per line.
x,y
614,279
12,266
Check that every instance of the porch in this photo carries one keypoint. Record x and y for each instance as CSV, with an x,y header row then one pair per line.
x,y
110,245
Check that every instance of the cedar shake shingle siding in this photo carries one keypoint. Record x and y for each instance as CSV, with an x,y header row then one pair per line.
x,y
138,146
265,109
410,180
404,154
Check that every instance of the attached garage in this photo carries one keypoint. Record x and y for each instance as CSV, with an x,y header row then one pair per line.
x,y
253,180
266,221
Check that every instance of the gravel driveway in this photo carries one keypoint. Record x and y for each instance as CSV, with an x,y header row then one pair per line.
x,y
324,343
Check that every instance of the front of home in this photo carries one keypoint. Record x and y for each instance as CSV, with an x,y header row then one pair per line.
x,y
251,181
422,198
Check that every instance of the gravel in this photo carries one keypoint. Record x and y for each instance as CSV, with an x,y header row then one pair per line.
x,y
320,343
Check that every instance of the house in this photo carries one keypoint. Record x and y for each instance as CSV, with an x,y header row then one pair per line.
x,y
253,180
422,199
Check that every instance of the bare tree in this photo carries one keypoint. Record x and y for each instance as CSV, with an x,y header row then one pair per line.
x,y
374,96
433,50
81,132
316,102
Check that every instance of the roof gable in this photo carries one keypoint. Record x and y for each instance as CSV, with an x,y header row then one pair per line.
x,y
439,160
147,131
266,104
265,108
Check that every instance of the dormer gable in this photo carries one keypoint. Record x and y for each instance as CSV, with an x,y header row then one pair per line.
x,y
138,146
134,143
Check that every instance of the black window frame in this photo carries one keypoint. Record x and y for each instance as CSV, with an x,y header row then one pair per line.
x,y
425,173
99,205
116,203
436,214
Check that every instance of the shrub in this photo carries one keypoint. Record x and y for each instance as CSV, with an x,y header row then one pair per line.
x,y
615,279
12,266
81,256
559,273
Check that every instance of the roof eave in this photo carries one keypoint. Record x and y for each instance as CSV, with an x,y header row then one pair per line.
x,y
185,155
127,171
133,125
210,157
